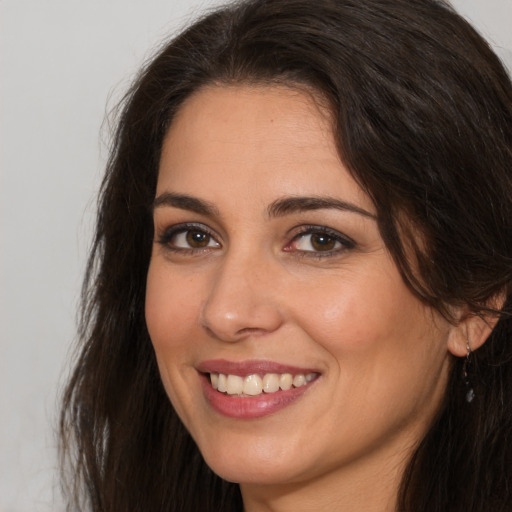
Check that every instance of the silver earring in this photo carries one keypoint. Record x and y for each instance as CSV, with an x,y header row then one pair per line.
x,y
470,394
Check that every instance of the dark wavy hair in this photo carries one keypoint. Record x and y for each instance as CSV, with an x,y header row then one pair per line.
x,y
422,114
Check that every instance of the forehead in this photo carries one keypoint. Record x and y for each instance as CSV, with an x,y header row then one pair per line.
x,y
273,140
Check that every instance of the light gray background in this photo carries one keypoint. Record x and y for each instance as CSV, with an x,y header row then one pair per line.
x,y
63,63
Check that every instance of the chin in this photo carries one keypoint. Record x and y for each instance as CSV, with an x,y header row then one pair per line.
x,y
257,473
260,464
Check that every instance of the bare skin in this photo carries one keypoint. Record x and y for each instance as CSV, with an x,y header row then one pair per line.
x,y
266,249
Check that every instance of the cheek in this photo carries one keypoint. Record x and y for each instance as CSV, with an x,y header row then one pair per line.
x,y
171,308
171,313
354,314
386,351
371,322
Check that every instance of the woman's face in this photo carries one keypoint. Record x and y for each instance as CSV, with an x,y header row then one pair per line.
x,y
269,277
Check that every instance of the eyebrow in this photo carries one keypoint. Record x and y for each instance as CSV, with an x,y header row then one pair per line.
x,y
185,202
278,208
287,205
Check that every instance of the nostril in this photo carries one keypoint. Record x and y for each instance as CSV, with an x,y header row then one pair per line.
x,y
238,306
251,320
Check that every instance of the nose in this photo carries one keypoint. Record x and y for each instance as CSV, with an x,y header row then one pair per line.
x,y
242,300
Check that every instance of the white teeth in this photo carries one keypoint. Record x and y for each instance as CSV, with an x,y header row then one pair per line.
x,y
222,386
285,381
271,382
254,384
234,385
299,380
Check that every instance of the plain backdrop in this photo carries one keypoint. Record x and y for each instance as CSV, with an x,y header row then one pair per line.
x,y
63,65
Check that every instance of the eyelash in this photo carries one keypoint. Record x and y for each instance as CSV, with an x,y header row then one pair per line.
x,y
346,243
166,237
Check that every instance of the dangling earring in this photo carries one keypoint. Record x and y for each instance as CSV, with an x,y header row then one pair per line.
x,y
470,394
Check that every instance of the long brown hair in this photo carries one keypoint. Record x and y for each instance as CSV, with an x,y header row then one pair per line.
x,y
422,113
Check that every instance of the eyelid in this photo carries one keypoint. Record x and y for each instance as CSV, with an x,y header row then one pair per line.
x,y
165,236
345,240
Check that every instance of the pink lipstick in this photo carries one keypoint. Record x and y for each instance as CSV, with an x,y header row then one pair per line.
x,y
253,389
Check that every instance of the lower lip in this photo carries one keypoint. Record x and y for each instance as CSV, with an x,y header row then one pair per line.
x,y
250,407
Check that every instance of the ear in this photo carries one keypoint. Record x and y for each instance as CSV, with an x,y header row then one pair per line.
x,y
473,329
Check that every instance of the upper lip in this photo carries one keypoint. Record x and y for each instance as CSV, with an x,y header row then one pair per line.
x,y
250,367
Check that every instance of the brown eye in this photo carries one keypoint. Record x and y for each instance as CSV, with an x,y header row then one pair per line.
x,y
322,242
182,239
316,242
197,239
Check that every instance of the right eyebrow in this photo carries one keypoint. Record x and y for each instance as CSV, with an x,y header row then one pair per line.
x,y
185,202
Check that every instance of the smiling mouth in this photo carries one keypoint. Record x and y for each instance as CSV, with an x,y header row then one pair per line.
x,y
258,384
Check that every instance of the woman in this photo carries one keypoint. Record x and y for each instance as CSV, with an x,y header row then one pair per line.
x,y
299,292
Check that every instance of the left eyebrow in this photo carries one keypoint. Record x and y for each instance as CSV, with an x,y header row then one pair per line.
x,y
287,205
